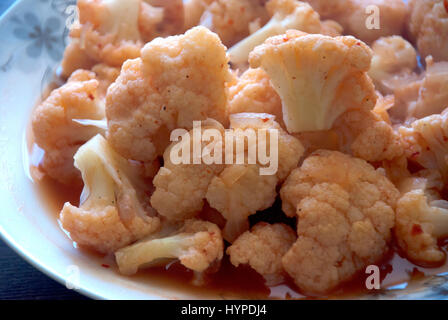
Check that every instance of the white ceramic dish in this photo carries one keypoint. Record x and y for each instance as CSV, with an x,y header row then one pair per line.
x,y
33,34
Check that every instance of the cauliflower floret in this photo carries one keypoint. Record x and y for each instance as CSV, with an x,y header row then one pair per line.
x,y
105,75
112,31
330,9
253,92
317,77
231,193
108,30
428,25
197,245
362,133
173,18
231,19
75,58
331,28
178,80
392,57
56,132
353,15
383,105
193,11
181,188
421,220
346,212
405,91
365,135
286,14
290,150
392,19
112,211
262,248
433,91
425,142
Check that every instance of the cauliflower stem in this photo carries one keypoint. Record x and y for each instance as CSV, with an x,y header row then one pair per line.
x,y
287,14
317,77
197,245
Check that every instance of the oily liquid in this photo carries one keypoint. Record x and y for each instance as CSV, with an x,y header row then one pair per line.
x,y
228,281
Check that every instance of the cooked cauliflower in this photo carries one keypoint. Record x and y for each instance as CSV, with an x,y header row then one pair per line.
x,y
425,142
286,14
433,91
112,31
392,19
346,212
365,135
428,25
177,80
193,11
406,91
317,77
231,19
362,133
105,75
254,93
262,248
383,105
232,192
392,57
331,9
108,30
112,212
173,18
181,188
331,28
197,245
56,132
422,219
75,58
353,15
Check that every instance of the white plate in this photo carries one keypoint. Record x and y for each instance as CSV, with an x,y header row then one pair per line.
x,y
33,34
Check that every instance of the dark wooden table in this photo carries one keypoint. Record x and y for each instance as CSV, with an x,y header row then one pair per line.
x,y
18,279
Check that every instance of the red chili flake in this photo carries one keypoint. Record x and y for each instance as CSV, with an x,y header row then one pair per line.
x,y
417,229
415,154
105,266
91,97
285,38
230,22
445,138
445,3
265,119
